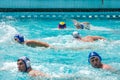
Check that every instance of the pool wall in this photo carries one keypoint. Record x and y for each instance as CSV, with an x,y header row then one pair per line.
x,y
59,5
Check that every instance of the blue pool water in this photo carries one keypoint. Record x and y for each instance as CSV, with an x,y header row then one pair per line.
x,y
68,61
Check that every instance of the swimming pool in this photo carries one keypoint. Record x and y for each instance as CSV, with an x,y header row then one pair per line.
x,y
68,61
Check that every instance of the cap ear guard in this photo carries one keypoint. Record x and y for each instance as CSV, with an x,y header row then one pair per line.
x,y
28,64
92,54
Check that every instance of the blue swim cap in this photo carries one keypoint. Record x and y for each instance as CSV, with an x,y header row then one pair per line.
x,y
93,54
26,62
19,37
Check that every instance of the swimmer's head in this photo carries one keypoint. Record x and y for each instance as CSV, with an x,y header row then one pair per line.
x,y
93,54
62,25
76,34
19,38
23,64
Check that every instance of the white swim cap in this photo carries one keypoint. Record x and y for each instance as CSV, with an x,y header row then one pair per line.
x,y
26,62
76,34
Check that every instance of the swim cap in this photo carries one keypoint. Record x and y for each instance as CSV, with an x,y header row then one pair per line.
x,y
19,37
76,34
93,54
26,62
62,25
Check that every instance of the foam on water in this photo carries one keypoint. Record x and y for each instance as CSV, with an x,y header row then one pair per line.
x,y
92,27
69,61
69,43
12,66
100,28
6,32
